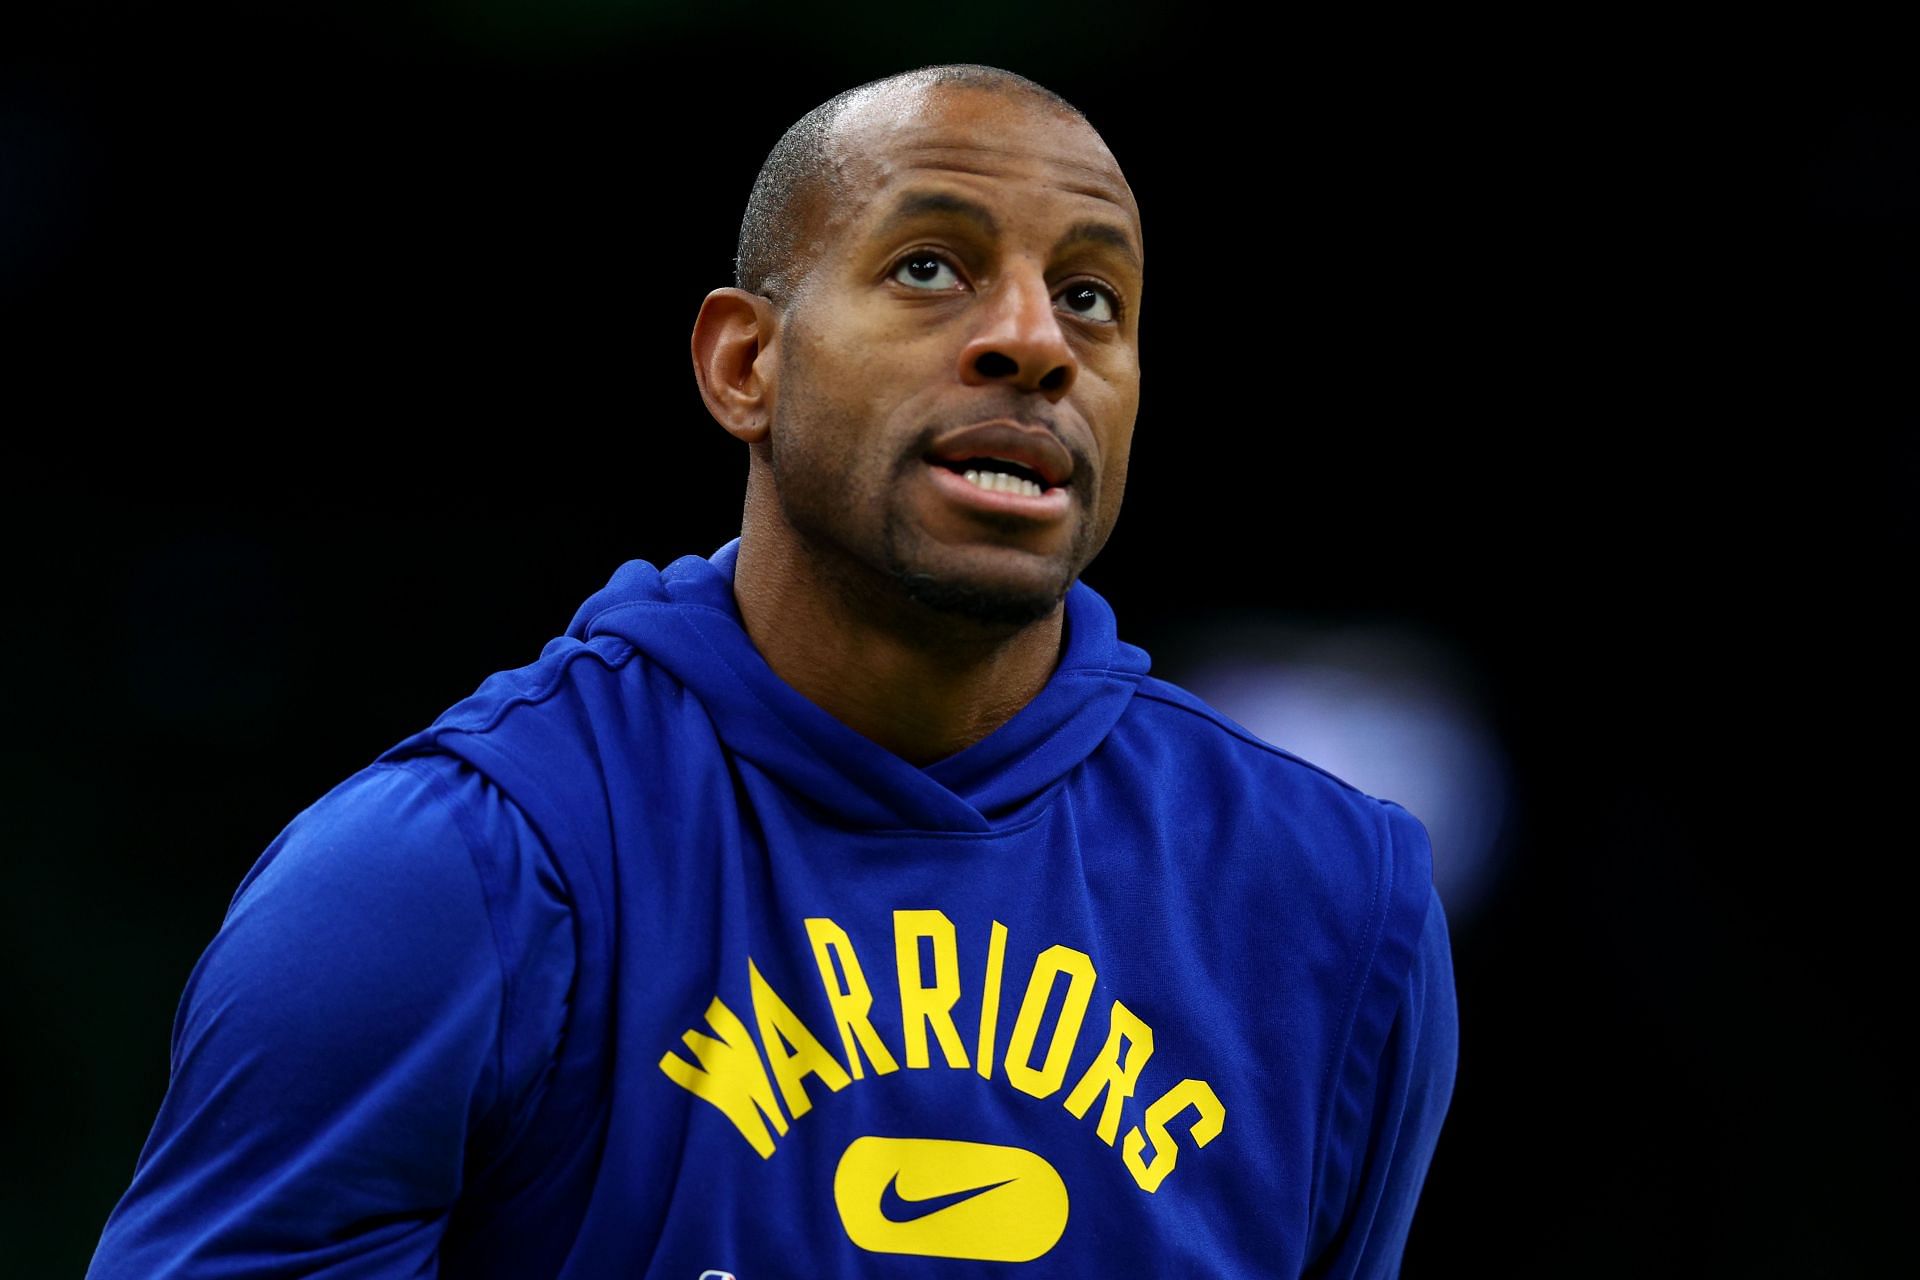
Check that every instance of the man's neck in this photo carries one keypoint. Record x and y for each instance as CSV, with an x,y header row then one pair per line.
x,y
923,685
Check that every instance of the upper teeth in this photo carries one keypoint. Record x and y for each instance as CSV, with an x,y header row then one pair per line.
x,y
1001,482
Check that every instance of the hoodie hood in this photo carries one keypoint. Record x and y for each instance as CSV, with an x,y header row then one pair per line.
x,y
685,619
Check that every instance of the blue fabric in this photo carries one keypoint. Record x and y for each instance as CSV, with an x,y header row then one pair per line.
x,y
638,963
380,1007
1412,1085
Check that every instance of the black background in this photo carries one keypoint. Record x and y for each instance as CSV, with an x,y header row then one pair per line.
x,y
346,352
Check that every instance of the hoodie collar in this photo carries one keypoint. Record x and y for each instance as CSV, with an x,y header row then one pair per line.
x,y
685,619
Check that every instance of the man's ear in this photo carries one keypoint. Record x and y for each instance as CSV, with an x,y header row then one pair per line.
x,y
734,361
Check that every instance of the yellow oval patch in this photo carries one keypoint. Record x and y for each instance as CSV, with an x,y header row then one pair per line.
x,y
944,1199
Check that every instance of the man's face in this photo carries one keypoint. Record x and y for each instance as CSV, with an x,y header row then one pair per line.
x,y
979,267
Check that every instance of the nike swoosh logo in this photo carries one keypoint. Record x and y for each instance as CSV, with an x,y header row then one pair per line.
x,y
895,1207
1011,1205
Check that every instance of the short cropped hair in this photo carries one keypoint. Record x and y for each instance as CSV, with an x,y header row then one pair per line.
x,y
768,259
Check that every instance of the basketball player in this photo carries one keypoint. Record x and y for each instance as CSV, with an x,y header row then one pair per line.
x,y
852,901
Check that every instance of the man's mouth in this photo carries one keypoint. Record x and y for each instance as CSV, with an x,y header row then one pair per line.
x,y
1002,450
1000,486
997,475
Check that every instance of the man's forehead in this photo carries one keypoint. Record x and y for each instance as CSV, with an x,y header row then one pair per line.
x,y
882,142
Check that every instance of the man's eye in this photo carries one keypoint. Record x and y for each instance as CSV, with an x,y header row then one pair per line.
x,y
922,270
1090,301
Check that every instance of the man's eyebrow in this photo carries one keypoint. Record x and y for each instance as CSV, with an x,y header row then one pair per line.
x,y
1106,233
917,204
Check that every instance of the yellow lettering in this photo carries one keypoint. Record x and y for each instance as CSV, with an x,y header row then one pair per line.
x,y
1053,961
990,1000
1197,1094
779,1024
850,1007
919,1003
729,1076
1106,1071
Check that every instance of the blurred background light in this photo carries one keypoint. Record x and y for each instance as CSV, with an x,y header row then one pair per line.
x,y
1380,707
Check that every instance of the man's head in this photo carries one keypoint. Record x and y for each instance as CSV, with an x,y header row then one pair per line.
x,y
802,175
936,267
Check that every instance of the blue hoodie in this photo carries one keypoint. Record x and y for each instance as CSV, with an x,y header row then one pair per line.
x,y
638,963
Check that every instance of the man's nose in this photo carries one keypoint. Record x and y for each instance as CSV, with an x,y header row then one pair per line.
x,y
1019,339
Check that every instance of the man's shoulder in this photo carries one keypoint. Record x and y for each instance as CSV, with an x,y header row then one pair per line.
x,y
408,826
553,718
1196,731
1266,816
380,818
567,671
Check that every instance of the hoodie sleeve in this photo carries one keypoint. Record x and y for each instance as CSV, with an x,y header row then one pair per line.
x,y
1413,1086
378,1001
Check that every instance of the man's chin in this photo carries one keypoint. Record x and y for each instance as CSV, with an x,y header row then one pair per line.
x,y
998,586
993,604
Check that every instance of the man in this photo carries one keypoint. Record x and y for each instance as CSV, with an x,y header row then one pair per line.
x,y
850,902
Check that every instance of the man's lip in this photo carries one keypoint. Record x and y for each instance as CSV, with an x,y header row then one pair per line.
x,y
1047,507
1032,447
